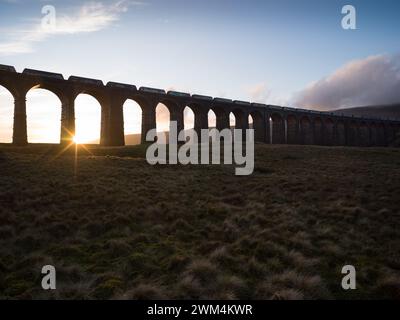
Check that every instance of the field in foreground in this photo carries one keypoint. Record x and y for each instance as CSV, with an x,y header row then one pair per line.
x,y
116,227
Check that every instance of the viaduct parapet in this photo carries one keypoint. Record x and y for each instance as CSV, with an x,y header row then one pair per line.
x,y
272,124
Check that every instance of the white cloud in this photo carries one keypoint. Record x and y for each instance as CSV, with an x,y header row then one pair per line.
x,y
90,17
261,93
374,80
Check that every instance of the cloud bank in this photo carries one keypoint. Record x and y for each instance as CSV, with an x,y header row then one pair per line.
x,y
374,80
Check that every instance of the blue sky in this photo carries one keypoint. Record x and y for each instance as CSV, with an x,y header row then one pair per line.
x,y
265,51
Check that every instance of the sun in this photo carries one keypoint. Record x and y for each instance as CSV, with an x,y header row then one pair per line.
x,y
75,139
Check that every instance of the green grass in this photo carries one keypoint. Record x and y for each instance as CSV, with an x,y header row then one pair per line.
x,y
116,227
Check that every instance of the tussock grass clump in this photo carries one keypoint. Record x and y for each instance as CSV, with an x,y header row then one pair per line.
x,y
291,282
204,280
143,292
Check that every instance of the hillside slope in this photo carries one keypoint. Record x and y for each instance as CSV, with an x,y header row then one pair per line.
x,y
384,112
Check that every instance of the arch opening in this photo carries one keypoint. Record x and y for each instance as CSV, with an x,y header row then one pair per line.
x,y
6,115
251,122
212,119
132,122
340,133
318,132
43,116
397,133
328,132
306,132
373,132
277,129
392,135
87,119
352,134
163,117
256,122
292,129
188,118
381,135
364,138
189,124
232,120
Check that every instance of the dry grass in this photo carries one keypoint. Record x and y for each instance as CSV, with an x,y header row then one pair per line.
x,y
124,229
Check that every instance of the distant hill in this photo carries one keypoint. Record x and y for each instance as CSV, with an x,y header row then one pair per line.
x,y
384,112
130,139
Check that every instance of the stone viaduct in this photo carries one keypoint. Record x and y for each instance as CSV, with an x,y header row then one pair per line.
x,y
272,124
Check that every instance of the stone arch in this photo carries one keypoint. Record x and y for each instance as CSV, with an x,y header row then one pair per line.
x,y
132,122
142,102
258,125
241,119
397,132
328,135
306,131
6,115
278,128
148,108
363,135
200,117
373,133
88,118
352,133
222,118
292,129
43,114
10,88
56,90
390,133
318,131
176,113
340,133
381,136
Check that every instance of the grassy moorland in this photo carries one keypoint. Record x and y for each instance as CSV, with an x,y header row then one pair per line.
x,y
120,228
